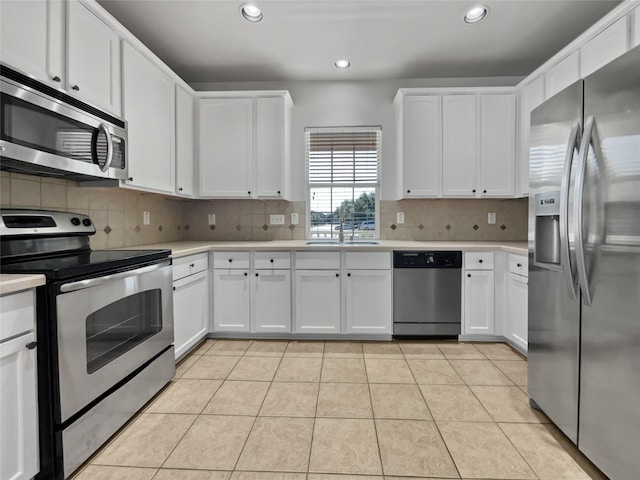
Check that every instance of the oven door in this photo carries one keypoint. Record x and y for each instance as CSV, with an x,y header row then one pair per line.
x,y
107,327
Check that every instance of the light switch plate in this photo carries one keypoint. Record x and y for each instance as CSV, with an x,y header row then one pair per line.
x,y
276,219
400,218
294,219
211,218
491,218
146,218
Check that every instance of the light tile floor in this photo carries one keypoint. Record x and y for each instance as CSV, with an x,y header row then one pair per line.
x,y
298,410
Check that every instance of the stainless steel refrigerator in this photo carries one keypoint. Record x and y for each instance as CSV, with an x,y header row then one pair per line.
x,y
584,264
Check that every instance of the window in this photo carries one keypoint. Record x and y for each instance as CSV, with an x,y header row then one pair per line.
x,y
343,167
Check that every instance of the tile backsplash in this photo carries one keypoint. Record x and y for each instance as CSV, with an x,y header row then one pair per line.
x,y
117,214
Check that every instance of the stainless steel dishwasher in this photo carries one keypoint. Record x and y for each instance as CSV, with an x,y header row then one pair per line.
x,y
427,289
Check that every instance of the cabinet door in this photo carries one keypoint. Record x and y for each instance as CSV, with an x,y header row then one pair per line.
x,y
226,147
459,145
517,304
18,409
604,47
635,28
149,109
272,301
530,97
562,75
93,59
369,301
478,302
231,308
422,147
317,306
497,145
184,142
32,38
190,311
269,177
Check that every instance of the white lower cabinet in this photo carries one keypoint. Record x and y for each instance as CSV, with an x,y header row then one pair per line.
x,y
231,300
317,303
368,301
271,301
18,399
517,303
190,311
479,293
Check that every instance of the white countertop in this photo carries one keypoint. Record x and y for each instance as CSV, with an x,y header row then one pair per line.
x,y
12,283
181,249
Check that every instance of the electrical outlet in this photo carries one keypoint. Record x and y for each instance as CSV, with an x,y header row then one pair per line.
x,y
276,219
400,218
491,218
211,218
294,219
146,218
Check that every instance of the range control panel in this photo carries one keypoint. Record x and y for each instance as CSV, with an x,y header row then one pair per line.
x,y
427,259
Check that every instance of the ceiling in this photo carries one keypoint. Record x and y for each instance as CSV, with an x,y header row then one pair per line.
x,y
210,41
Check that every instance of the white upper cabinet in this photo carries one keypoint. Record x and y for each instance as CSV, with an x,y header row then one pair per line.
x,y
561,75
226,147
604,47
184,142
149,109
420,146
93,59
497,145
87,64
531,96
244,146
32,38
459,145
635,28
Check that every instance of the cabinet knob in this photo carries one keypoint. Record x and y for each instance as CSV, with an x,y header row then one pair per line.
x,y
348,274
257,275
518,265
271,260
278,192
230,260
474,190
249,192
246,274
480,261
468,274
408,191
192,265
76,88
56,79
31,345
174,289
130,179
337,274
179,189
484,191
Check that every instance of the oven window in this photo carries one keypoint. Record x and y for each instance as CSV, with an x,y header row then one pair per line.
x,y
120,326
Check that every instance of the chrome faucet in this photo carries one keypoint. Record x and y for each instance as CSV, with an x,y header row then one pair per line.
x,y
341,227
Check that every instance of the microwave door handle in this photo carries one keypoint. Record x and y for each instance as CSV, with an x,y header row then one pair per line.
x,y
587,141
105,129
92,282
565,256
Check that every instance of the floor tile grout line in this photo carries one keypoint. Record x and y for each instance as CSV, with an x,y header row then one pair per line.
x,y
518,450
435,423
315,413
375,426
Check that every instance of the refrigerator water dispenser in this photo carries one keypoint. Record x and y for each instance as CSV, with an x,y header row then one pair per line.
x,y
547,238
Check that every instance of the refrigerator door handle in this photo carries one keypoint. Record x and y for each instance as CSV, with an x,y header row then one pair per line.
x,y
565,257
589,138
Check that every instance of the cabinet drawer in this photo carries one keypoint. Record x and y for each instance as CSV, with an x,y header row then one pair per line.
x,y
189,265
230,259
478,260
368,260
519,265
317,260
269,260
18,314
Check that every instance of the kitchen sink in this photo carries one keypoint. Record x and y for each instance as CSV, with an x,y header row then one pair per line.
x,y
348,243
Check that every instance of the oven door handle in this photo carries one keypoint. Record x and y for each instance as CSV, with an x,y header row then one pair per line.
x,y
92,282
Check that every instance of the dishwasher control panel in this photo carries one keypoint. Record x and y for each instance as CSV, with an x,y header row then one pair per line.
x,y
427,259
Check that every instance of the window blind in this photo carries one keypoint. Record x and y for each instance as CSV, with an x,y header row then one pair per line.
x,y
344,157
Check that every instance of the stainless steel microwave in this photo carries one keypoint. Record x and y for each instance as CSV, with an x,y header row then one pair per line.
x,y
44,131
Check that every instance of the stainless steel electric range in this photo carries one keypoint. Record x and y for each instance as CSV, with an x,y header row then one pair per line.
x,y
104,331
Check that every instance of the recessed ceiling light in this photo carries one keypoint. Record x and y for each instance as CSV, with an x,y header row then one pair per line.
x,y
251,12
342,63
476,14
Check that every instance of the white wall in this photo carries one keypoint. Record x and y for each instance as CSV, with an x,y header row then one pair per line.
x,y
349,103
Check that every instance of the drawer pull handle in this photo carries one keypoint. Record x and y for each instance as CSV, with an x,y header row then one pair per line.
x,y
31,345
